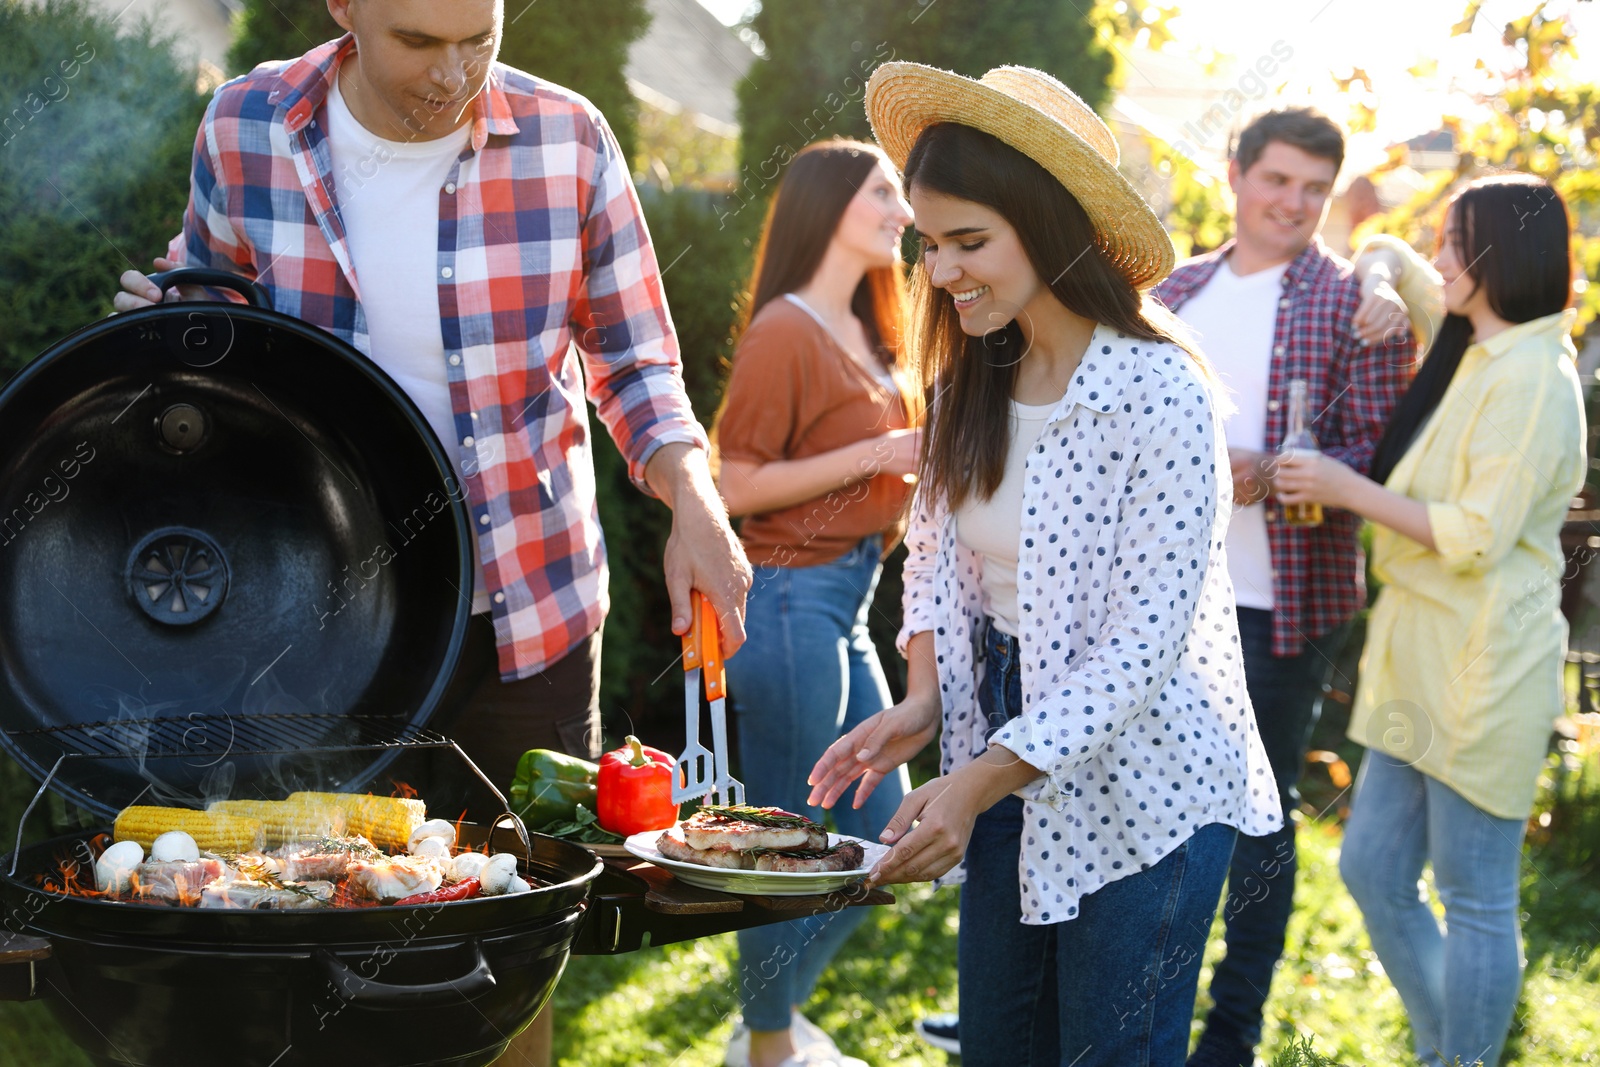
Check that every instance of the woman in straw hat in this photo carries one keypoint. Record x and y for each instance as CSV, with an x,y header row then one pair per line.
x,y
1069,619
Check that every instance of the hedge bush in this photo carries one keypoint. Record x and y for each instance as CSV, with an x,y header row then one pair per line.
x,y
94,160
820,52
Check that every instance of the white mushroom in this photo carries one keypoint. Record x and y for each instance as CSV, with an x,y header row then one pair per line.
x,y
174,845
497,874
517,885
468,865
113,871
431,848
433,828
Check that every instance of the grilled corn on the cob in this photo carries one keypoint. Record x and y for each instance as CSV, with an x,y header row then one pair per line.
x,y
283,821
212,831
385,821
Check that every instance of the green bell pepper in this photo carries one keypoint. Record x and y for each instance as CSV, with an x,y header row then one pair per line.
x,y
549,786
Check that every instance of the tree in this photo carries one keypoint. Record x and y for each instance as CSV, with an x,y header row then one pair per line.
x,y
94,158
1542,117
582,46
811,83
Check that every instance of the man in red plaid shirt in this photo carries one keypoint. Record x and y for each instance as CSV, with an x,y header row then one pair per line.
x,y
1271,306
474,230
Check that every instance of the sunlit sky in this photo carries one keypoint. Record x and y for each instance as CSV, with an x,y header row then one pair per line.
x,y
1387,39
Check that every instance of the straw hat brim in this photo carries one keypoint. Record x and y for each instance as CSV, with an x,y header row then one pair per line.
x,y
903,99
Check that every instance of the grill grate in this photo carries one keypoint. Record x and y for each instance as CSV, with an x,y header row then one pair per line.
x,y
244,735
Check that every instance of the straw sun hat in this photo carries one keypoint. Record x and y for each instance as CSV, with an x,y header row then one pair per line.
x,y
1044,120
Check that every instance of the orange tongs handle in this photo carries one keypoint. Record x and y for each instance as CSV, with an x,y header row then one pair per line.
x,y
702,646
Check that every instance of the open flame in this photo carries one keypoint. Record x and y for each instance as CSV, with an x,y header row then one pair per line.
x,y
71,878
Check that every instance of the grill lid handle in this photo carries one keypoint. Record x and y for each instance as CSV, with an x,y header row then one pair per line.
x,y
253,292
368,993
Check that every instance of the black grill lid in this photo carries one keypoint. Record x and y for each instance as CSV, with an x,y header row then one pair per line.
x,y
219,523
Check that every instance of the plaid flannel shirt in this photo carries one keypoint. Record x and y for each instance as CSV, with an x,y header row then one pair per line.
x,y
545,272
1319,577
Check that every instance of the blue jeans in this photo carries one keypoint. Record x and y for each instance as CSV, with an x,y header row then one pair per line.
x,y
1459,983
807,674
1113,987
1286,692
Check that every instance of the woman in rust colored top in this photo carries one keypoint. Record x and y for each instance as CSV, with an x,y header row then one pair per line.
x,y
815,445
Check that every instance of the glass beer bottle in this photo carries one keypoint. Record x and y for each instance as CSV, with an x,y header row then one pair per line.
x,y
1300,439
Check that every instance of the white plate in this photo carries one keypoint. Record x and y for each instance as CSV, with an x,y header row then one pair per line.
x,y
758,883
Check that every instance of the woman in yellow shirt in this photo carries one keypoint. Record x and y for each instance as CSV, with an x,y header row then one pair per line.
x,y
1461,677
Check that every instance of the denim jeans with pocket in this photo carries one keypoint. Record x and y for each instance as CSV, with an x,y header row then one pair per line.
x,y
1459,981
807,674
1114,987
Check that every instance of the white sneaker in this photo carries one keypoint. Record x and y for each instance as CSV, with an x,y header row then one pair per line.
x,y
816,1056
814,1047
808,1034
941,1031
738,1054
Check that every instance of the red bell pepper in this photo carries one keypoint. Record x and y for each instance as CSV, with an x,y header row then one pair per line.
x,y
634,792
465,889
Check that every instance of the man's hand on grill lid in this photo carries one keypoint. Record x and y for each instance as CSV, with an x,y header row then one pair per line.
x,y
137,291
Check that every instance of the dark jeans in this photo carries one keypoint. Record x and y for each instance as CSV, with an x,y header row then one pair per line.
x,y
1113,987
1286,692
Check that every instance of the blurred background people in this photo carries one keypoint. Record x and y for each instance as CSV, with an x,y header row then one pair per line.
x,y
1271,306
816,441
1461,679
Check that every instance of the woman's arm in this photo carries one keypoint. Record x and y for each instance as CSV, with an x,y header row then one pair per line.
x,y
873,750
879,745
1384,261
750,486
1314,478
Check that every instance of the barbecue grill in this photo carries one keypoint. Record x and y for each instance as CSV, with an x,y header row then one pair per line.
x,y
235,561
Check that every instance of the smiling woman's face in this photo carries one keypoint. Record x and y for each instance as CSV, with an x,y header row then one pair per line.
x,y
1462,293
419,64
971,252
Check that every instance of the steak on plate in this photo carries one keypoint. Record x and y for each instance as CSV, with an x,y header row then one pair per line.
x,y
739,828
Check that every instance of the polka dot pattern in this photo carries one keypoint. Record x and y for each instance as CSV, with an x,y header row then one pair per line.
x,y
1134,702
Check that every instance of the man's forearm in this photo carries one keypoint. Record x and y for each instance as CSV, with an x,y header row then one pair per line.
x,y
678,468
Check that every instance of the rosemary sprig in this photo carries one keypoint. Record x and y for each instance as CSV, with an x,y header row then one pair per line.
x,y
774,818
257,871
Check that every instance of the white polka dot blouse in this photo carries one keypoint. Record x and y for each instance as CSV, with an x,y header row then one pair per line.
x,y
1134,703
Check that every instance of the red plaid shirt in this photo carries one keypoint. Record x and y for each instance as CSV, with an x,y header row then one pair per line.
x,y
549,290
1319,577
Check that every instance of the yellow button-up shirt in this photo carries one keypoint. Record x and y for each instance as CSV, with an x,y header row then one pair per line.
x,y
1461,675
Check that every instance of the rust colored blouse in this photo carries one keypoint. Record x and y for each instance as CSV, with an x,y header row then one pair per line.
x,y
794,393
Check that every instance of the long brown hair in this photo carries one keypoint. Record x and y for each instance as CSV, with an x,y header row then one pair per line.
x,y
969,380
1513,238
801,222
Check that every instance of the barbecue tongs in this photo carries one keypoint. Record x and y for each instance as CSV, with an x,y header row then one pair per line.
x,y
703,774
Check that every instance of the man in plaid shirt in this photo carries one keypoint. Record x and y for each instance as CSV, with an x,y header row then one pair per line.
x,y
1268,307
474,230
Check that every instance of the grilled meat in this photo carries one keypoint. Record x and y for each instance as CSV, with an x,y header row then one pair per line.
x,y
266,896
727,828
389,880
845,856
672,845
322,859
176,881
741,840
